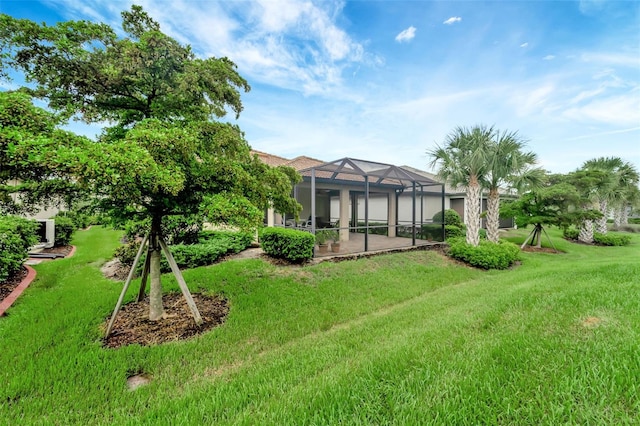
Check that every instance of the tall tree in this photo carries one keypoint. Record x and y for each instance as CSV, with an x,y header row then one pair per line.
x,y
163,154
625,193
589,184
618,176
552,204
508,166
463,160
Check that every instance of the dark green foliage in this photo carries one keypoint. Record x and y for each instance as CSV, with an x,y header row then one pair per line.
x,y
64,230
211,246
570,233
453,231
611,239
634,220
80,219
451,217
290,244
17,235
175,229
486,255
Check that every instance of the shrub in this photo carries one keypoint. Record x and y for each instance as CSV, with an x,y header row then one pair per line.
x,y
127,253
212,246
453,231
290,244
451,217
486,255
611,239
634,220
17,235
570,233
64,228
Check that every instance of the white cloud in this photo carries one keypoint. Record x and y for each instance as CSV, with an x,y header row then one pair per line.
x,y
406,35
452,20
549,57
524,45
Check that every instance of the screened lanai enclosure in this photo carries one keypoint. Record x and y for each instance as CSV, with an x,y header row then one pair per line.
x,y
371,206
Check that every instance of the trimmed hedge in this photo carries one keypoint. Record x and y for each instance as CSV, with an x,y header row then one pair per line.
x,y
65,227
611,239
451,217
289,244
17,235
486,255
212,246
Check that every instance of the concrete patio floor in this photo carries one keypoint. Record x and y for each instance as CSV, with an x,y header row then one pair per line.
x,y
377,244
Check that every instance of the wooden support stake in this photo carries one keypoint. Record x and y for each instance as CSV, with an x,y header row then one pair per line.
x,y
126,286
549,238
181,282
527,239
145,275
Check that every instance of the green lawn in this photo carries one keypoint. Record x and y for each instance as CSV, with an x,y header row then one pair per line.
x,y
396,339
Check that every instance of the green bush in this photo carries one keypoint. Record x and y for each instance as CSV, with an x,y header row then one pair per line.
x,y
634,220
611,239
570,233
80,220
290,244
17,235
486,255
64,228
212,246
453,231
451,217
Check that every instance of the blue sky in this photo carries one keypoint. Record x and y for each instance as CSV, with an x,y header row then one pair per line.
x,y
387,80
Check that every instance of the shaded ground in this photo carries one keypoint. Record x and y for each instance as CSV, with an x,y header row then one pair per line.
x,y
132,325
6,287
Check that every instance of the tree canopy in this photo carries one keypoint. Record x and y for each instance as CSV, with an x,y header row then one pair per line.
x,y
30,181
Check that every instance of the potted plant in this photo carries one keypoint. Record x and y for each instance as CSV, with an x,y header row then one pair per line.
x,y
321,238
334,236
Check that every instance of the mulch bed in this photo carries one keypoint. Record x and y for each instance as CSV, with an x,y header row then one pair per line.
x,y
7,286
64,250
534,249
132,325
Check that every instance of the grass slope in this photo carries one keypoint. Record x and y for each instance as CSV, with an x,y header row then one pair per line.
x,y
396,339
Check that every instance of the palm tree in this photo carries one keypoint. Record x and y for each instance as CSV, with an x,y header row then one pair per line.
x,y
625,193
620,175
508,165
463,160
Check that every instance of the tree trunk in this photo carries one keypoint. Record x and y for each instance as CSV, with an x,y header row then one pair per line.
x,y
617,217
624,217
493,215
586,232
538,236
602,222
472,208
156,309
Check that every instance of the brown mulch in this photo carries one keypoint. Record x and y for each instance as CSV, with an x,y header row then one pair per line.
x,y
132,325
64,250
7,286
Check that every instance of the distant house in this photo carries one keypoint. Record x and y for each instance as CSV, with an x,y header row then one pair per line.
x,y
429,199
